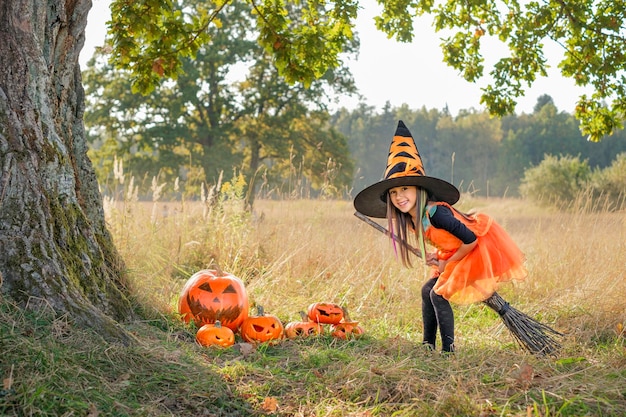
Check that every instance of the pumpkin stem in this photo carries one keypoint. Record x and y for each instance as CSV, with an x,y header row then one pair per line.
x,y
305,317
216,266
260,310
346,316
218,324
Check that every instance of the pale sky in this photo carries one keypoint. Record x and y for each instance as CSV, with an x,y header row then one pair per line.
x,y
412,74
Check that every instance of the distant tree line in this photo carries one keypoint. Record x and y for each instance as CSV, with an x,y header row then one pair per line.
x,y
479,154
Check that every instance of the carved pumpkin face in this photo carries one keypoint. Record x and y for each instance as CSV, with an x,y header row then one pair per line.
x,y
346,330
327,313
210,295
215,335
303,329
262,328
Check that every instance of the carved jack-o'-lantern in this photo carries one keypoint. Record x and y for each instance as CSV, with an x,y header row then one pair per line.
x,y
262,328
346,330
215,335
304,328
211,295
327,313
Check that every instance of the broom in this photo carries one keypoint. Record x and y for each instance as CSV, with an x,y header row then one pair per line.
x,y
535,337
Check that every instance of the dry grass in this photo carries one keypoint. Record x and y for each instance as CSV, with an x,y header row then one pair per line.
x,y
314,250
292,253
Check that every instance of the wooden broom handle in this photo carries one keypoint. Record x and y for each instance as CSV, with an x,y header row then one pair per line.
x,y
383,230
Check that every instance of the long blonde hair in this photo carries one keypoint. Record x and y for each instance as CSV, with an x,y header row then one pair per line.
x,y
401,224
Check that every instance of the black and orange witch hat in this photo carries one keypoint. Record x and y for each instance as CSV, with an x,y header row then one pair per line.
x,y
404,167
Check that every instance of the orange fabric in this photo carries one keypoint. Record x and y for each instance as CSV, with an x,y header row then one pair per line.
x,y
495,259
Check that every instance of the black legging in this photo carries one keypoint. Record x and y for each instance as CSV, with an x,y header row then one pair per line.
x,y
437,311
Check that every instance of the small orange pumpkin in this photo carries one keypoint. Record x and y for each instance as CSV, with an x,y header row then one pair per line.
x,y
262,327
327,313
304,328
347,328
215,335
210,295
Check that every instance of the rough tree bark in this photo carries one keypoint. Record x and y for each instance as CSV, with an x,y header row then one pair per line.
x,y
55,250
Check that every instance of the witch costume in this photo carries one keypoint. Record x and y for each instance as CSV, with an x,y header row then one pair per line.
x,y
475,277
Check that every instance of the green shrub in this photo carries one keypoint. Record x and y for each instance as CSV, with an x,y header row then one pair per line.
x,y
610,183
556,180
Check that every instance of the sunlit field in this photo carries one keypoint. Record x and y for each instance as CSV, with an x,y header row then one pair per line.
x,y
291,253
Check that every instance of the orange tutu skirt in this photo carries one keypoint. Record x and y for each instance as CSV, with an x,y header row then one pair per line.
x,y
495,259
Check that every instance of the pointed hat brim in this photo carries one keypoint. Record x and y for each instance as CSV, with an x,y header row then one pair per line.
x,y
372,201
404,167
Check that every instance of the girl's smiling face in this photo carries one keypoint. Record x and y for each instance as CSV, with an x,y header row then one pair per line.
x,y
404,198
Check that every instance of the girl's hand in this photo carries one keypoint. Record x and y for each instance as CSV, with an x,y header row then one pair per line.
x,y
460,253
431,259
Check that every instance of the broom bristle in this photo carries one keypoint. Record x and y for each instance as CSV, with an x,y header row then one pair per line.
x,y
532,335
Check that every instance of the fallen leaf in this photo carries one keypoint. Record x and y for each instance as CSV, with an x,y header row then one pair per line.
x,y
524,375
270,404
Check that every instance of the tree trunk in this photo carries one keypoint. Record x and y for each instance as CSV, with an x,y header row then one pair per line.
x,y
55,250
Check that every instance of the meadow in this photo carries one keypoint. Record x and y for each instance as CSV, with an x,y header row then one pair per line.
x,y
293,252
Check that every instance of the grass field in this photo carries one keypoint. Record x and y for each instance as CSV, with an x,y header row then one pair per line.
x,y
292,253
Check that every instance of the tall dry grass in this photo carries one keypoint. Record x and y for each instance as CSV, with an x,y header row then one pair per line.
x,y
291,253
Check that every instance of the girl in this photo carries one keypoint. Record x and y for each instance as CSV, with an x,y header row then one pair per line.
x,y
473,253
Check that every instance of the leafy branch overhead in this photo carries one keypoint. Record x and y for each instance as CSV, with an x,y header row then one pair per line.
x,y
307,38
150,37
